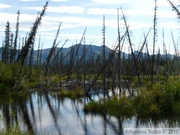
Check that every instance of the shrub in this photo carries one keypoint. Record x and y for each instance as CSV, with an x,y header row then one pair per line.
x,y
154,109
176,108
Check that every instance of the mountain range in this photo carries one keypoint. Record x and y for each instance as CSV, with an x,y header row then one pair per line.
x,y
93,49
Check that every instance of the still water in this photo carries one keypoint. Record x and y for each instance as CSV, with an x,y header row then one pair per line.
x,y
47,114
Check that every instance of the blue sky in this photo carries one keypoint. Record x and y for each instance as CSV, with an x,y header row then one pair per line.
x,y
76,15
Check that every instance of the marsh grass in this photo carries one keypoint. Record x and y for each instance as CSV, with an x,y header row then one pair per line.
x,y
75,93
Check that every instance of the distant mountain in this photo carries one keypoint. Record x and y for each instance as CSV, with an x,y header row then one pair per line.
x,y
96,51
91,49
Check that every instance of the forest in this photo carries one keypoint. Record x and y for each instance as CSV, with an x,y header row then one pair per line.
x,y
138,83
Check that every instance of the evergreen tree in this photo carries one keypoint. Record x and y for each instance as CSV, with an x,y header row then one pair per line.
x,y
6,47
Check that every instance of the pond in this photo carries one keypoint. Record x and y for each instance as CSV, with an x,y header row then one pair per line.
x,y
46,113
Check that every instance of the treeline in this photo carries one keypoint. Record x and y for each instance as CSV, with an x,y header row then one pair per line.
x,y
111,70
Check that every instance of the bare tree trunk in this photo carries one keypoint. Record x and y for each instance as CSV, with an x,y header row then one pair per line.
x,y
16,37
104,57
154,40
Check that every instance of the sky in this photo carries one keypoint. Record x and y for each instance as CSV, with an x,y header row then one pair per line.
x,y
78,15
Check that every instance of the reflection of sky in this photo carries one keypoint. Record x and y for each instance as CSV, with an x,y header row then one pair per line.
x,y
1,121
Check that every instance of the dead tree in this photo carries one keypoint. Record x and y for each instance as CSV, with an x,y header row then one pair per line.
x,y
132,52
104,55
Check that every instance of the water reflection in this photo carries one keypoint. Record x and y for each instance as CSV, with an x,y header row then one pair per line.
x,y
47,113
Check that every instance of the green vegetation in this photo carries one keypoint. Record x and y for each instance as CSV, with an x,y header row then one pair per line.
x,y
114,106
8,77
75,93
160,98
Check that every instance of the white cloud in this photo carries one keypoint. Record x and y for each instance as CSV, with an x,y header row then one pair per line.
x,y
110,1
129,12
59,0
61,9
27,18
5,6
72,22
26,21
101,11
66,9
8,17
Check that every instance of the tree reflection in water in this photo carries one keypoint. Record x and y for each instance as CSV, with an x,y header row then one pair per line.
x,y
46,113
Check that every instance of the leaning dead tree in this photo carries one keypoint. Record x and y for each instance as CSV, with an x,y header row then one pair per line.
x,y
51,52
132,51
16,37
28,45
